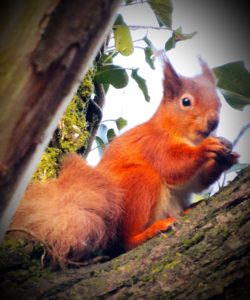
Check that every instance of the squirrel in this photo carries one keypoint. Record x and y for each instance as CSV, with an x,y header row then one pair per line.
x,y
143,182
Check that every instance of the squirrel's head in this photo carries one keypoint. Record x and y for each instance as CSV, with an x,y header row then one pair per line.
x,y
190,106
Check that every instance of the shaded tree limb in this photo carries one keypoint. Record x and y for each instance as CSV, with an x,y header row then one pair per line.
x,y
48,47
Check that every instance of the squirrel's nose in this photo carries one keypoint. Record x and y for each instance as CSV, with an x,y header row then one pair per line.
x,y
212,124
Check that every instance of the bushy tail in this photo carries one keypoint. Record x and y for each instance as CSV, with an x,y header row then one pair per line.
x,y
74,214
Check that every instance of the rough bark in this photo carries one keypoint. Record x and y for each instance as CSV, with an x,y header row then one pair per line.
x,y
46,46
207,256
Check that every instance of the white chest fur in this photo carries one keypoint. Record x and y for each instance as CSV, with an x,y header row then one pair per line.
x,y
172,202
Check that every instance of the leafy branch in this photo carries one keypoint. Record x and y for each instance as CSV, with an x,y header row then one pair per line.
x,y
233,78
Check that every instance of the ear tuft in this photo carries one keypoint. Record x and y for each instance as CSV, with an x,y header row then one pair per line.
x,y
207,72
172,82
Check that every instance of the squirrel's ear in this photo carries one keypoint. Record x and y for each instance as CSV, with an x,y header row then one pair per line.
x,y
171,82
207,72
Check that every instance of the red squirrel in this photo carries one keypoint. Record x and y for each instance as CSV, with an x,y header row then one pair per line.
x,y
143,182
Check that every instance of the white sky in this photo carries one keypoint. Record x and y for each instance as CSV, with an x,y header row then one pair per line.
x,y
218,41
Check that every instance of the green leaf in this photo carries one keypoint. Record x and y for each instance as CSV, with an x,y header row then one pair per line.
x,y
106,87
149,57
111,74
141,83
121,123
234,83
163,10
100,142
119,20
111,135
149,43
235,100
197,198
171,42
123,39
149,52
178,36
100,145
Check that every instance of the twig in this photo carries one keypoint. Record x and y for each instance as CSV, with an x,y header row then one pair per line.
x,y
108,120
42,259
24,230
110,56
139,47
112,47
136,27
134,3
235,142
242,131
97,147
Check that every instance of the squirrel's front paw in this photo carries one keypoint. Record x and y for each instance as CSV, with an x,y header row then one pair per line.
x,y
214,148
220,149
232,157
226,143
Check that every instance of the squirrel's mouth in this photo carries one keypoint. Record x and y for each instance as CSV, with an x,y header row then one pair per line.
x,y
204,134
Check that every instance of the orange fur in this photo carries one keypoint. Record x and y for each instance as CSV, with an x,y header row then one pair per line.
x,y
160,163
74,214
143,182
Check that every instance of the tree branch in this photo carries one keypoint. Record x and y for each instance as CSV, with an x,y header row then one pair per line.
x,y
136,27
207,256
44,70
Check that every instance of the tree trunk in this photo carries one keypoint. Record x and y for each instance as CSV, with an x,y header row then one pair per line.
x,y
207,256
45,48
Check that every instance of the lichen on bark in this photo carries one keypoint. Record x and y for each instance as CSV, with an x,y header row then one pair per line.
x,y
48,165
71,133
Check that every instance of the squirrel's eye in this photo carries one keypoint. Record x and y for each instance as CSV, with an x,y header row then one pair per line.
x,y
186,102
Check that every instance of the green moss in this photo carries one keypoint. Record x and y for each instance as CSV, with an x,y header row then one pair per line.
x,y
48,166
9,258
147,278
157,269
71,134
20,260
191,241
72,128
218,234
86,88
173,264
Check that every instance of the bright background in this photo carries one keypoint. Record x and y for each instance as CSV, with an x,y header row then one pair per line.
x,y
221,38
